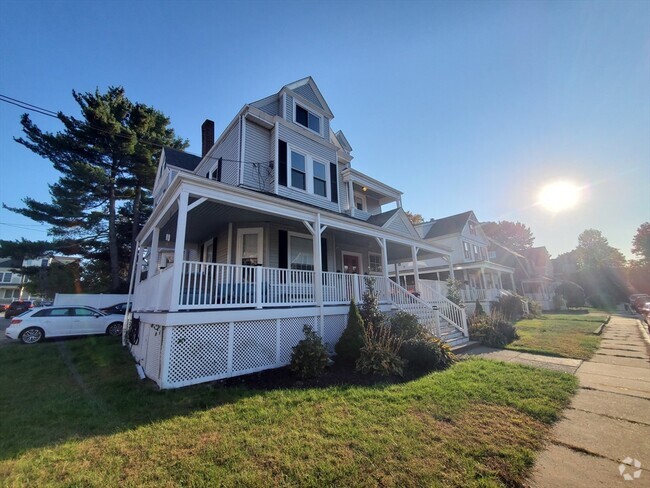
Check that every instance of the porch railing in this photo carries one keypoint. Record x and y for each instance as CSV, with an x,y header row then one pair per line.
x,y
452,313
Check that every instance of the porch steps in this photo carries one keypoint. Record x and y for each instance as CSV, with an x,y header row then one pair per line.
x,y
452,336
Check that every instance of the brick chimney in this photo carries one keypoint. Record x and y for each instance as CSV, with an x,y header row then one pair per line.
x,y
207,136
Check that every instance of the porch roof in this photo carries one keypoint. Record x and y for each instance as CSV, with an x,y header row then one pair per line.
x,y
242,202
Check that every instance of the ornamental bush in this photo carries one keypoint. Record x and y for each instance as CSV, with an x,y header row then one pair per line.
x,y
380,353
559,303
572,293
453,291
510,307
309,357
348,348
405,325
427,353
492,330
370,313
478,308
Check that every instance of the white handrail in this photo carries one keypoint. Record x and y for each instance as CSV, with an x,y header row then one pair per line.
x,y
452,313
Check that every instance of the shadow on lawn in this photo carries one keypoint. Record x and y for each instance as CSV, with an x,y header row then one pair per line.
x,y
82,387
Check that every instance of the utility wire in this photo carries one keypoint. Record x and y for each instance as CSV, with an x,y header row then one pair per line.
x,y
44,111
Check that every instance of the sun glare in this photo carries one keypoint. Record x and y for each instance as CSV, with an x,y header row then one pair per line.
x,y
559,196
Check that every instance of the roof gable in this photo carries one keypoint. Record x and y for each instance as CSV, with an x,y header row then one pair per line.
x,y
181,159
343,141
395,220
453,224
307,89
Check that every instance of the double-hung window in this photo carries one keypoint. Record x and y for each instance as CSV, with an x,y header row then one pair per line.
x,y
307,119
467,250
298,171
477,256
320,179
301,253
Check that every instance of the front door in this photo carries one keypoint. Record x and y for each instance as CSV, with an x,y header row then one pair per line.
x,y
352,263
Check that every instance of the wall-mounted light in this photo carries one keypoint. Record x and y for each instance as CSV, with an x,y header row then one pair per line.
x,y
365,188
168,237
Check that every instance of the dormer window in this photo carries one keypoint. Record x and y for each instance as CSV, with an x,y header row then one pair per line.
x,y
307,119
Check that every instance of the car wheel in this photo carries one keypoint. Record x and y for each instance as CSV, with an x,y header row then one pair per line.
x,y
114,329
32,335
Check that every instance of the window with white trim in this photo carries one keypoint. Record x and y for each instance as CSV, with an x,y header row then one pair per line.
x,y
308,174
301,252
477,256
467,250
374,263
359,202
307,119
5,277
298,171
320,178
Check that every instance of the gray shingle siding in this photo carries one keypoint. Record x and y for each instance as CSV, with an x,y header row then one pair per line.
x,y
257,171
308,93
288,110
373,206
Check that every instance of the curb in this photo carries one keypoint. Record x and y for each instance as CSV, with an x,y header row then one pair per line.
x,y
599,330
644,331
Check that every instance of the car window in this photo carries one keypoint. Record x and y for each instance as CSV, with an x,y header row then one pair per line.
x,y
43,313
60,312
83,312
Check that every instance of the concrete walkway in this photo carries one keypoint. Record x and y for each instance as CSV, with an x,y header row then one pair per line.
x,y
608,421
537,360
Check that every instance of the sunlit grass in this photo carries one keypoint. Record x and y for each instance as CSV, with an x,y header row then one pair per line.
x,y
74,413
564,335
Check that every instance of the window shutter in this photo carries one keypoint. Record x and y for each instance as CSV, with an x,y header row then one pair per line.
x,y
323,253
334,183
283,250
282,168
219,165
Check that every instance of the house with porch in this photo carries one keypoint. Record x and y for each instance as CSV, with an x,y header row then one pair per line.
x,y
481,278
270,228
533,272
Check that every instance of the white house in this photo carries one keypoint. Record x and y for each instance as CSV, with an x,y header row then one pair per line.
x,y
269,229
480,277
11,284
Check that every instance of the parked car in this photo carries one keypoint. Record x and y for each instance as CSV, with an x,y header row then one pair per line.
x,y
3,307
117,309
637,301
35,325
18,307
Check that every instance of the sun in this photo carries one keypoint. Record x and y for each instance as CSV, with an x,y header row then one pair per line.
x,y
559,196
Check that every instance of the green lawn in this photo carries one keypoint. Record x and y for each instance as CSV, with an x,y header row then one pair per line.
x,y
74,413
564,335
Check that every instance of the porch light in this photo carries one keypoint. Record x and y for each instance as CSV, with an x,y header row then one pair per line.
x,y
365,188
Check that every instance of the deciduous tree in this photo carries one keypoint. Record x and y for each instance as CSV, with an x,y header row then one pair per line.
x,y
513,235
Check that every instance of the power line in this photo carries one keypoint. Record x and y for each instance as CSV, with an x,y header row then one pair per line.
x,y
44,111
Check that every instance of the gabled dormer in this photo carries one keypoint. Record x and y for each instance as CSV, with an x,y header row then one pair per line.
x,y
461,232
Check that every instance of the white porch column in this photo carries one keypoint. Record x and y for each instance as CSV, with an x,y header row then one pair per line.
x,y
179,251
451,267
512,282
500,281
384,256
316,231
397,274
153,255
416,273
351,197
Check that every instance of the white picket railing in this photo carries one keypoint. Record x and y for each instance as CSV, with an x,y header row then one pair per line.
x,y
452,313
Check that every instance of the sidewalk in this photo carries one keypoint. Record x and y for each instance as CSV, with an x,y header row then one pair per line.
x,y
608,420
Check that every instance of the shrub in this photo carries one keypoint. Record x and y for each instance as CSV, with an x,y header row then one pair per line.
x,y
379,355
453,291
494,330
572,293
510,306
559,303
427,353
478,308
370,313
348,348
534,309
309,357
405,325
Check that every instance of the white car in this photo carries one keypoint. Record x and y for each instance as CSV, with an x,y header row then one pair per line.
x,y
38,323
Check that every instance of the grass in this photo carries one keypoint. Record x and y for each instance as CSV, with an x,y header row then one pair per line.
x,y
564,335
74,413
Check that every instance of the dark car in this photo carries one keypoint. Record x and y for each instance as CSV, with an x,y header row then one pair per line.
x,y
16,308
3,307
117,309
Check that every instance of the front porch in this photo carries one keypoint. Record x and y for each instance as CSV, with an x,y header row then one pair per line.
x,y
234,275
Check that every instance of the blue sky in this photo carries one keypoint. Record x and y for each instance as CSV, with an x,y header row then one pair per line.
x,y
461,105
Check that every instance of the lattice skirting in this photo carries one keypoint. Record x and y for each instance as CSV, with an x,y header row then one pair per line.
x,y
176,356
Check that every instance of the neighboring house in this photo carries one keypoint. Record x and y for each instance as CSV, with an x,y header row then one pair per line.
x,y
533,272
481,278
270,229
11,284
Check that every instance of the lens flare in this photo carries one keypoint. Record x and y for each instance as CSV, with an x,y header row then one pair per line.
x,y
559,196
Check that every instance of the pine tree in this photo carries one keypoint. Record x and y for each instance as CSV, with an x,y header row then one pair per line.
x,y
106,159
348,348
